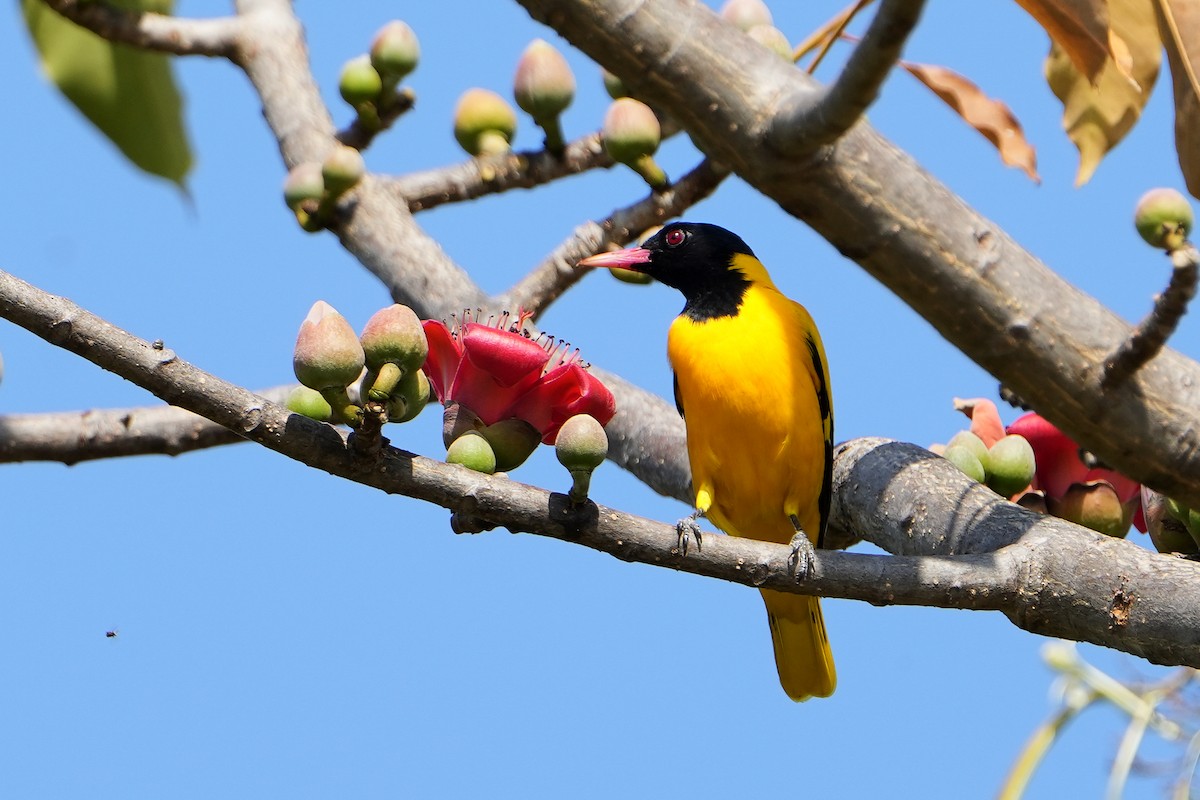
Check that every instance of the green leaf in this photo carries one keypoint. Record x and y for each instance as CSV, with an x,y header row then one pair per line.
x,y
129,94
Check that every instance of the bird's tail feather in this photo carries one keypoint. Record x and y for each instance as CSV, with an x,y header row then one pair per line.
x,y
802,653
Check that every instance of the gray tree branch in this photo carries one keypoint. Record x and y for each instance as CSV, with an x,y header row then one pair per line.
x,y
1007,311
804,123
965,546
166,34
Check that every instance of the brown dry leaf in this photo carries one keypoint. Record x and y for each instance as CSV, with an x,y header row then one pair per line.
x,y
1079,27
1097,115
1179,25
992,118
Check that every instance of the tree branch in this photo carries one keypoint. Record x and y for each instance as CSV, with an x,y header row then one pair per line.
x,y
557,273
1004,309
805,123
74,436
166,34
457,183
1151,334
1048,576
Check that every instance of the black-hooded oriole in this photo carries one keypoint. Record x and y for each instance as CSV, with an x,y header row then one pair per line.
x,y
752,384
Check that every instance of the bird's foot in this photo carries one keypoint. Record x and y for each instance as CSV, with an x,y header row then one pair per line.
x,y
800,562
685,529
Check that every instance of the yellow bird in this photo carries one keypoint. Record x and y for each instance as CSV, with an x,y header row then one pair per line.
x,y
752,384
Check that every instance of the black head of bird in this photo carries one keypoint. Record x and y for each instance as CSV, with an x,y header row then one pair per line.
x,y
698,259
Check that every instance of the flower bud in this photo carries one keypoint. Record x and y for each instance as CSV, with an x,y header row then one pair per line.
x,y
544,85
1094,505
343,168
513,441
966,460
409,398
1164,219
613,85
631,136
773,39
394,335
395,51
746,14
581,446
473,452
1167,532
360,83
484,123
328,354
971,441
303,183
309,402
1009,465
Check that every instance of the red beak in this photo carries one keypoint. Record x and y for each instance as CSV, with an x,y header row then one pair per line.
x,y
632,259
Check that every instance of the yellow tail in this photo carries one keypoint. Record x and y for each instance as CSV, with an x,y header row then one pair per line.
x,y
802,654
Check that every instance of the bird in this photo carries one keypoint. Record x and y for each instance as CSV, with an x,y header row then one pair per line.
x,y
751,382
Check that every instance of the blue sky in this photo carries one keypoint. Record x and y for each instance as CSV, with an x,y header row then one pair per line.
x,y
284,633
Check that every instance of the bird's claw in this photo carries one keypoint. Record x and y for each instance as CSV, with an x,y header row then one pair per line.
x,y
685,529
800,562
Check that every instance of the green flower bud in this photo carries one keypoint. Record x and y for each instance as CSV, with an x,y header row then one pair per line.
x,y
773,39
1193,524
746,14
965,459
395,51
328,354
971,441
1167,532
343,168
484,123
473,452
1009,465
613,85
360,83
394,335
1164,219
1177,509
544,85
581,446
513,441
303,183
632,135
309,402
1094,505
409,398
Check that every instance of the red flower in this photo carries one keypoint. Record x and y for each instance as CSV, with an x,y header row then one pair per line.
x,y
500,373
1065,480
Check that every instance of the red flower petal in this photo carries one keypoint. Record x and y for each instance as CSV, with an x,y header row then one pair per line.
x,y
444,356
561,394
985,419
497,368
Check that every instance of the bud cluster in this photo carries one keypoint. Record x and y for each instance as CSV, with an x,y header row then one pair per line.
x,y
381,367
311,190
1007,467
369,82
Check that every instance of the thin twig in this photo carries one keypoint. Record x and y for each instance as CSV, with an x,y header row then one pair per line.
x,y
807,122
1151,334
359,135
478,177
181,36
557,272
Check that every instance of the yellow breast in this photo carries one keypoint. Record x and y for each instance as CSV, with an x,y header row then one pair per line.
x,y
755,430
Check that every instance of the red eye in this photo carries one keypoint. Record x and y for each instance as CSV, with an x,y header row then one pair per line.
x,y
675,237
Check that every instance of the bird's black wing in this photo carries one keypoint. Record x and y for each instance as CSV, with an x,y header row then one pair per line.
x,y
678,399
